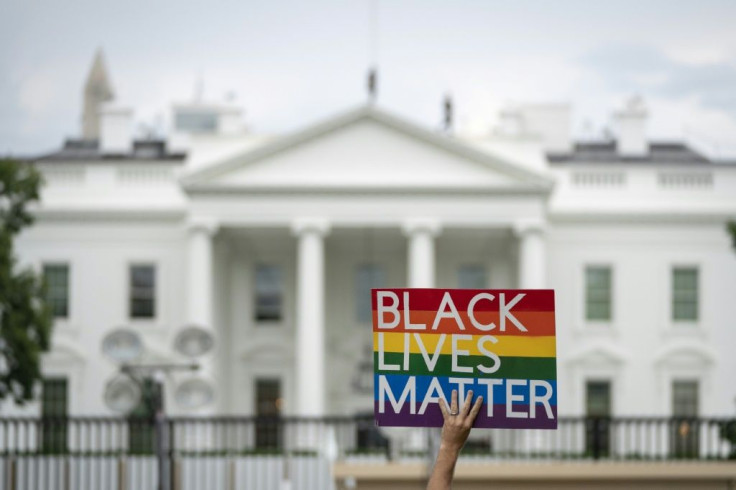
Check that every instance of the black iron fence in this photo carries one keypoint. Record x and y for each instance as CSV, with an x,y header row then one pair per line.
x,y
225,452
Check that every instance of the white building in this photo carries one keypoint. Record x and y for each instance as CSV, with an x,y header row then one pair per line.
x,y
271,244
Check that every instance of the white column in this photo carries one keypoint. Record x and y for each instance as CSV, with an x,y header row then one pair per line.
x,y
532,275
310,312
421,255
420,274
532,262
200,297
201,280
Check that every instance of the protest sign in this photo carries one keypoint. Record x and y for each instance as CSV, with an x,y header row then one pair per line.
x,y
498,343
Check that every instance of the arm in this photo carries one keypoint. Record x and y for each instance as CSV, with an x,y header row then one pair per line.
x,y
455,432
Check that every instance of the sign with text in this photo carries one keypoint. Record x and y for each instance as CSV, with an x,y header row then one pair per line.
x,y
500,343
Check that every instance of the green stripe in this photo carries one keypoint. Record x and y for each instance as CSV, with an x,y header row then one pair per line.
x,y
511,367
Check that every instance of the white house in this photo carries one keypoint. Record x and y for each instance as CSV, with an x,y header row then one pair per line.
x,y
271,245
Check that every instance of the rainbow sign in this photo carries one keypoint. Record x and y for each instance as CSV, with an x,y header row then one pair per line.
x,y
500,343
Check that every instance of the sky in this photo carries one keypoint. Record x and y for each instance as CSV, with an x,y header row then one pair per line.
x,y
291,63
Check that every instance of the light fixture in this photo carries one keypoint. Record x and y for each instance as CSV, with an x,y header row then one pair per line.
x,y
122,395
122,345
193,341
194,393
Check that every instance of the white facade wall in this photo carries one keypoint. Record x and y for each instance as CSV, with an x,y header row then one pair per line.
x,y
640,220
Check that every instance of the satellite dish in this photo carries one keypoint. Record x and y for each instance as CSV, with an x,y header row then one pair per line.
x,y
122,395
193,341
194,393
122,345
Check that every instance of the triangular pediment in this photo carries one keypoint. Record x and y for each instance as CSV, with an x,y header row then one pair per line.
x,y
598,354
364,148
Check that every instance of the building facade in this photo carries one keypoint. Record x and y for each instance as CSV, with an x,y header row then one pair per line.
x,y
271,245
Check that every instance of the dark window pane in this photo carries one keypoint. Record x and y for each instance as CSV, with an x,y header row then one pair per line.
x,y
684,433
142,291
269,289
268,410
598,293
57,288
471,276
53,415
685,398
685,294
598,409
196,121
367,277
598,398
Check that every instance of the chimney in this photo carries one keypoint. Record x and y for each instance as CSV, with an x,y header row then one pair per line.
x,y
631,124
116,130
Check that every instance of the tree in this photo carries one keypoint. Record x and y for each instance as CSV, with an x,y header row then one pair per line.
x,y
732,229
25,318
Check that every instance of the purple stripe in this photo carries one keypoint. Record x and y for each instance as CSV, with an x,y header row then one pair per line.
x,y
432,417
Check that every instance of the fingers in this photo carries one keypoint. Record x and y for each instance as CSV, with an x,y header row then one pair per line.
x,y
453,404
443,408
476,408
468,402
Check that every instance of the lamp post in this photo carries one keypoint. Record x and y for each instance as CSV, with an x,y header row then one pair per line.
x,y
124,393
138,373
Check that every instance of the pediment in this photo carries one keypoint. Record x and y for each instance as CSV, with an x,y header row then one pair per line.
x,y
685,353
64,352
599,354
363,149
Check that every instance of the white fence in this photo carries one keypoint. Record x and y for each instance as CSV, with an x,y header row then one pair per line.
x,y
141,473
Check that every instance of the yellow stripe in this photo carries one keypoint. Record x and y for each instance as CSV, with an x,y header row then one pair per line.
x,y
507,345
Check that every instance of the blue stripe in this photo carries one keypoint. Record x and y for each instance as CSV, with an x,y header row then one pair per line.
x,y
397,383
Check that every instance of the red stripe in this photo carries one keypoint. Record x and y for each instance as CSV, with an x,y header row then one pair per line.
x,y
430,299
537,323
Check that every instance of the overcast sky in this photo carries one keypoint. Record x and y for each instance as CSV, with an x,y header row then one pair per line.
x,y
290,63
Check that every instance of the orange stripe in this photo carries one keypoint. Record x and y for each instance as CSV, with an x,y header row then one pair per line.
x,y
537,323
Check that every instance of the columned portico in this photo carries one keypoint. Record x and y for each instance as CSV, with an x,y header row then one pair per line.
x,y
310,329
421,247
532,261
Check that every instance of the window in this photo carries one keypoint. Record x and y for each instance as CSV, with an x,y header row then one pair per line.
x,y
53,415
685,294
268,409
598,399
684,434
471,276
685,398
142,291
57,289
367,277
598,409
195,121
269,293
597,293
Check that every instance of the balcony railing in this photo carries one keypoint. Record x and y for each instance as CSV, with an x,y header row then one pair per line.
x,y
116,453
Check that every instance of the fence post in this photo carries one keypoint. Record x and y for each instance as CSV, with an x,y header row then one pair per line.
x,y
232,474
67,475
12,484
175,473
122,475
